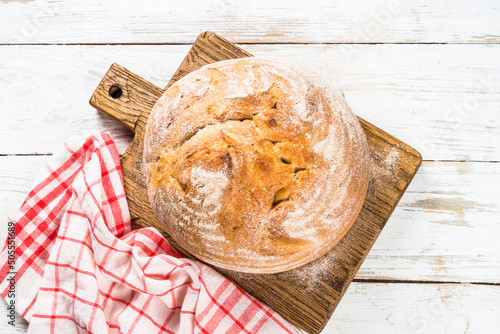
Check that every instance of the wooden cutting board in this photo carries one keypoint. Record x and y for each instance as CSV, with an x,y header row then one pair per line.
x,y
306,296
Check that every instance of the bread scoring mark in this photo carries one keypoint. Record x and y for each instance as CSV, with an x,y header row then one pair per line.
x,y
242,119
285,161
182,185
274,142
190,135
299,169
281,195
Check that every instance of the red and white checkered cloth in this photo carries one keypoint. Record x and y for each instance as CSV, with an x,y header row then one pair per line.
x,y
80,268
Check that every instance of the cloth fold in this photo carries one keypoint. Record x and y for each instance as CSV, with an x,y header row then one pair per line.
x,y
80,268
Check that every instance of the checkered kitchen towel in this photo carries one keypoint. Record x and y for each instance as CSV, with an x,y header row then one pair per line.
x,y
80,268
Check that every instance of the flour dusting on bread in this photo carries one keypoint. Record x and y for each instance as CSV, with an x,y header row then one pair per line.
x,y
209,187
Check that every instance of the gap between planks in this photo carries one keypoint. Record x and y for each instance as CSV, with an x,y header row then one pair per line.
x,y
254,43
402,281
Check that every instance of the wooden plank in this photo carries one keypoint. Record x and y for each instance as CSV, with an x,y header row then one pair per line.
x,y
18,175
258,21
441,99
417,308
445,227
457,199
398,308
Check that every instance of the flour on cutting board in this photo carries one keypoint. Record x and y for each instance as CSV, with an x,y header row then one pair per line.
x,y
385,163
311,275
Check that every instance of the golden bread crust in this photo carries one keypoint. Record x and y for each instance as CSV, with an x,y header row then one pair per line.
x,y
255,165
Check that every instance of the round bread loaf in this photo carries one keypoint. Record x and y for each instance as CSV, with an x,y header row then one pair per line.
x,y
255,165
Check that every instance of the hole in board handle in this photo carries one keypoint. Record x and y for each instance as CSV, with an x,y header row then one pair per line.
x,y
115,91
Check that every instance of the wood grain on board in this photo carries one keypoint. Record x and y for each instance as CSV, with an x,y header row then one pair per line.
x,y
308,303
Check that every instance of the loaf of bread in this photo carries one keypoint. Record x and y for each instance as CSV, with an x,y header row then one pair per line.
x,y
255,165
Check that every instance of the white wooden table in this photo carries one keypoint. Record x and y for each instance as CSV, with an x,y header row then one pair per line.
x,y
427,72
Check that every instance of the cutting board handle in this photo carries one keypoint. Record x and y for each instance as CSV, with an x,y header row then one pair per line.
x,y
119,96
